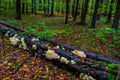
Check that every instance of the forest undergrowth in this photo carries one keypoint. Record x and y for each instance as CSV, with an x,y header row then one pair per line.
x,y
102,40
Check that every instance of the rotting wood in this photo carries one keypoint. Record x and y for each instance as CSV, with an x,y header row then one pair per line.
x,y
76,67
67,47
98,74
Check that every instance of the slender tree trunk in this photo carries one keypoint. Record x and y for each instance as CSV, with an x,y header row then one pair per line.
x,y
73,8
18,10
84,12
0,3
117,16
106,6
52,8
58,9
110,11
40,7
95,14
26,7
67,11
23,7
32,6
91,9
44,8
48,7
9,4
62,7
35,7
76,11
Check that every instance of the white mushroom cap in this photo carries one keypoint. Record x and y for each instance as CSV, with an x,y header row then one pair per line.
x,y
81,75
65,60
23,44
90,78
14,40
79,53
34,47
6,34
57,47
50,54
73,62
85,77
35,39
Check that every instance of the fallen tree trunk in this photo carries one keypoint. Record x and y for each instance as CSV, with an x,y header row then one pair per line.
x,y
64,59
12,26
89,55
58,57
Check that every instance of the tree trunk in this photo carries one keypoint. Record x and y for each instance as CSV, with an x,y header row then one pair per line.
x,y
76,11
91,9
48,7
23,7
67,11
84,12
62,7
110,11
117,16
52,8
26,7
18,10
58,9
32,6
44,8
73,8
40,7
106,6
95,14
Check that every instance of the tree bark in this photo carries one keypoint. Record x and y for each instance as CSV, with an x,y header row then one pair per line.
x,y
52,8
35,7
73,8
26,7
67,11
18,10
106,6
84,12
76,11
95,14
48,7
44,8
40,7
32,6
23,7
91,9
117,16
110,11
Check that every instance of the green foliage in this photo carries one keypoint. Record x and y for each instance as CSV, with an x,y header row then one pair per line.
x,y
102,33
48,34
12,21
39,30
112,71
32,16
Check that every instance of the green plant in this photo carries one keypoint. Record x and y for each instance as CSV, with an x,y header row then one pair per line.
x,y
113,68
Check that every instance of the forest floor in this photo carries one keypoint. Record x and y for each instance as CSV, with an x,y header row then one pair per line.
x,y
103,41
